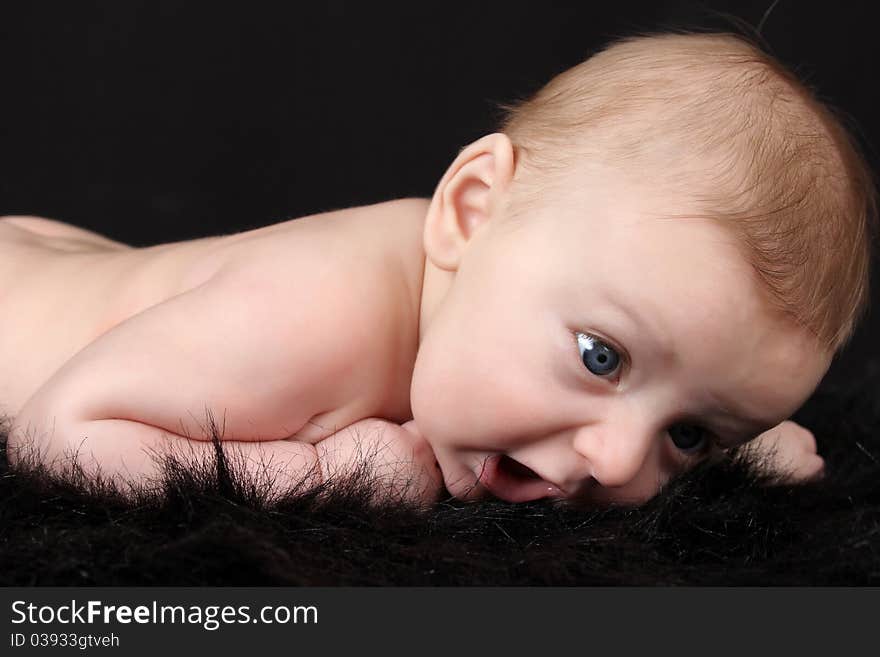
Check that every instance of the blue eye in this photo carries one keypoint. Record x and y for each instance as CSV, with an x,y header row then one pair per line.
x,y
599,357
688,437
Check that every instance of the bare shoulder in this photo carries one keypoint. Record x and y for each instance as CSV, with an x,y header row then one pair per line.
x,y
325,262
334,282
327,234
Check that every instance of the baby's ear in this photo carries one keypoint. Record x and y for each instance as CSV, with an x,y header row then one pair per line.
x,y
467,197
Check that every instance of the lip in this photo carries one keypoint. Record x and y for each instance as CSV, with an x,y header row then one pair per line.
x,y
511,487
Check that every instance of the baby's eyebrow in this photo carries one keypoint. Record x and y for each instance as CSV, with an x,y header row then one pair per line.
x,y
749,428
662,342
727,443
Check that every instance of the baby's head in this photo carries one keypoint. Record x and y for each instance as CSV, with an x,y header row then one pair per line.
x,y
656,257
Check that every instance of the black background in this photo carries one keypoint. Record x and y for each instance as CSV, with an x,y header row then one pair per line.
x,y
157,121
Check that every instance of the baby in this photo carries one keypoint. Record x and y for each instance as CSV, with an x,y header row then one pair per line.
x,y
653,260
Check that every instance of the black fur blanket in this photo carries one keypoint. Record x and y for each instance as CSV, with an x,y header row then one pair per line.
x,y
719,524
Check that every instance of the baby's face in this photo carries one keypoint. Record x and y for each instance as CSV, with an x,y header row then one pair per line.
x,y
597,350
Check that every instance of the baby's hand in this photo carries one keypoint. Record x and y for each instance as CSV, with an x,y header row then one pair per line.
x,y
788,450
403,463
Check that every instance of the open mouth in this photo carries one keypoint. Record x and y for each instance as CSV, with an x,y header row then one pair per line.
x,y
510,480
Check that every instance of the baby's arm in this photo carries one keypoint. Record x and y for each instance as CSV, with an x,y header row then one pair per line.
x,y
237,345
400,463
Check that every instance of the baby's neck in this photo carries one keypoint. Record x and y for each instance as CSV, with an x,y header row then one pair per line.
x,y
426,283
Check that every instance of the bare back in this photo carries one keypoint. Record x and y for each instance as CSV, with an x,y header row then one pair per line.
x,y
57,297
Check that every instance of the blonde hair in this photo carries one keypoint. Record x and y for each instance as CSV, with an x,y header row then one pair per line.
x,y
772,164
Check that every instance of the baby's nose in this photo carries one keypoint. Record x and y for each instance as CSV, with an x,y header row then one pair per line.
x,y
616,457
